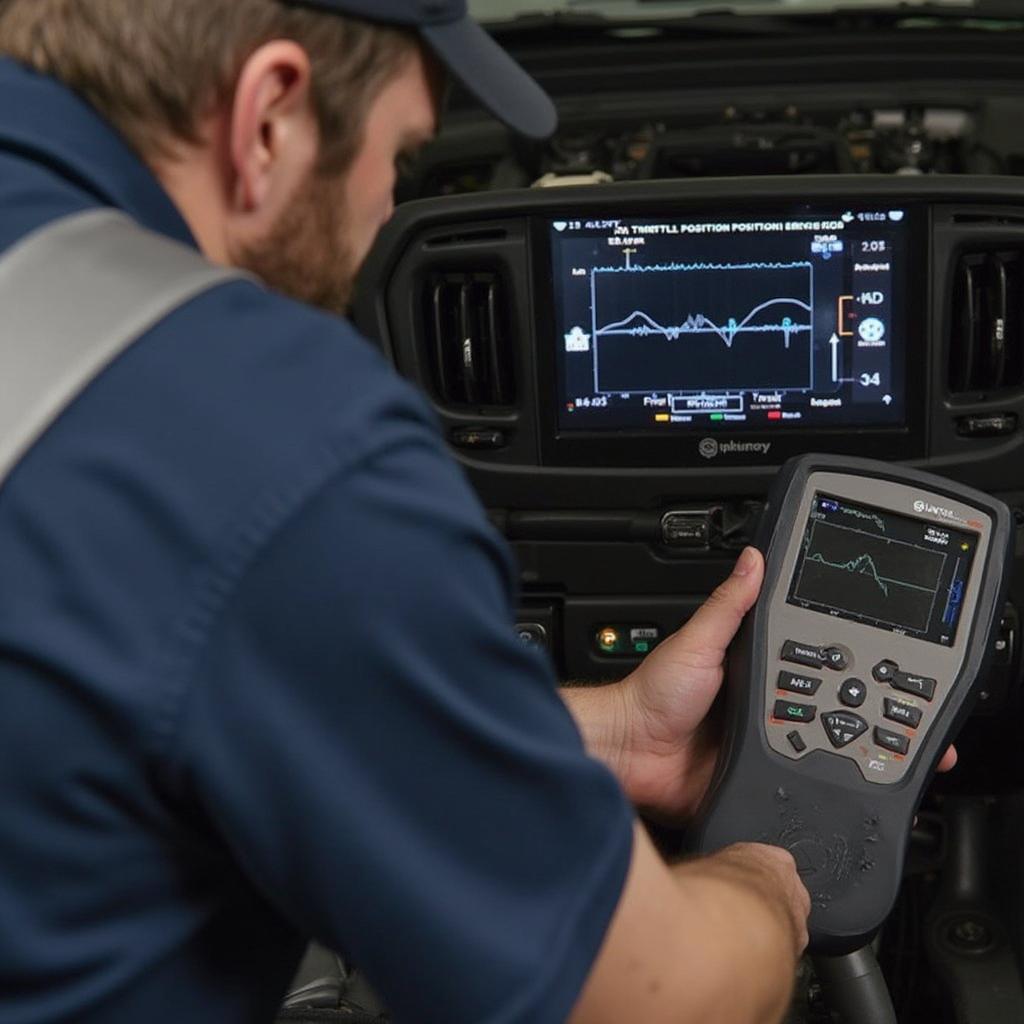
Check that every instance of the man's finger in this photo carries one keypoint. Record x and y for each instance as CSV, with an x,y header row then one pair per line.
x,y
948,761
716,621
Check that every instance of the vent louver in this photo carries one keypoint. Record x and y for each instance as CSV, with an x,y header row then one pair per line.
x,y
987,342
469,339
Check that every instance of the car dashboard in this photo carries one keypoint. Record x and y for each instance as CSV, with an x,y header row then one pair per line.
x,y
621,369
743,244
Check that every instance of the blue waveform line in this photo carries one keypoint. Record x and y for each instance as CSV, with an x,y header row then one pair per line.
x,y
656,268
955,597
698,323
864,565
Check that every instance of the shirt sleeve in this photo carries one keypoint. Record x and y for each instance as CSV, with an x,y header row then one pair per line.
x,y
392,767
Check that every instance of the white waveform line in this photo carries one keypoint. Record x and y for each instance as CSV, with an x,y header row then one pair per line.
x,y
700,324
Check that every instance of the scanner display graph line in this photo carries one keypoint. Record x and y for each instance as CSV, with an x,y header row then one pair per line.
x,y
662,268
698,323
829,504
885,540
954,595
864,565
857,514
809,544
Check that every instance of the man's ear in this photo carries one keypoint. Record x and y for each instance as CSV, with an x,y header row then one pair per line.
x,y
273,136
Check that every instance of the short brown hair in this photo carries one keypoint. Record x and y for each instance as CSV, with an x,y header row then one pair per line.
x,y
154,67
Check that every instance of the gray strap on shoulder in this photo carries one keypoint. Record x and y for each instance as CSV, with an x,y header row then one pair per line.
x,y
73,296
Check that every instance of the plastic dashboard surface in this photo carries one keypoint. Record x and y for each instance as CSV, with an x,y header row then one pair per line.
x,y
622,522
633,316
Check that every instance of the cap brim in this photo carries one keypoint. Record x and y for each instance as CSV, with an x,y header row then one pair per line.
x,y
493,77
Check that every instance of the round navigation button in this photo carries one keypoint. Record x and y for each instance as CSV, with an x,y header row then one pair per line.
x,y
852,693
834,658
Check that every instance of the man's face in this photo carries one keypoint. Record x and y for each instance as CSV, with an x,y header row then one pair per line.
x,y
317,246
402,119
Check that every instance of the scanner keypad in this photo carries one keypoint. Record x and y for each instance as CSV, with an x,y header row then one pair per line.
x,y
891,705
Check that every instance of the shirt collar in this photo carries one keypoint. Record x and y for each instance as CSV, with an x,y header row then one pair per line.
x,y
45,121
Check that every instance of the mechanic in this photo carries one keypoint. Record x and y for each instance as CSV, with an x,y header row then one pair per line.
x,y
258,681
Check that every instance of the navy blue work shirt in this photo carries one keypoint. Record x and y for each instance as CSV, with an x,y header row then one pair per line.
x,y
258,679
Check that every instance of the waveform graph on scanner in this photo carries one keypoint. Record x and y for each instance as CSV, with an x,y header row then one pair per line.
x,y
870,576
705,327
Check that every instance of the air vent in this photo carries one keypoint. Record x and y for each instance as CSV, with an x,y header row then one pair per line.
x,y
482,235
987,343
469,339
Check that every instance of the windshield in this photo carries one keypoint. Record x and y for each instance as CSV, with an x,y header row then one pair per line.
x,y
496,11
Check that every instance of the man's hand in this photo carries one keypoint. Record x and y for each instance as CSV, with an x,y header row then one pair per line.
x,y
771,873
712,938
672,744
654,729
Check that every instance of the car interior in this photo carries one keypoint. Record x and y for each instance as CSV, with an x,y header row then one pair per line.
x,y
762,229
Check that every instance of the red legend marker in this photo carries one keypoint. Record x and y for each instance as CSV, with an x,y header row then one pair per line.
x,y
775,415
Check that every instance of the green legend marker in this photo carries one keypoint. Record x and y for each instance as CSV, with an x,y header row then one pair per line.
x,y
717,416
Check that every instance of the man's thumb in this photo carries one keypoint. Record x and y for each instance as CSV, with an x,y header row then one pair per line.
x,y
715,623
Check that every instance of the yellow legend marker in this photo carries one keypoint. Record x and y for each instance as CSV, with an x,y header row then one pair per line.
x,y
661,417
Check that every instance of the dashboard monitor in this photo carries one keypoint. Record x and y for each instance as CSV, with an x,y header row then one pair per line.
x,y
757,322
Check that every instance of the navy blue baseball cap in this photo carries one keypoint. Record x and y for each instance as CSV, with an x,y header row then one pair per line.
x,y
468,52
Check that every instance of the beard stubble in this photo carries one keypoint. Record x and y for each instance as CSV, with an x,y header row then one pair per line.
x,y
306,256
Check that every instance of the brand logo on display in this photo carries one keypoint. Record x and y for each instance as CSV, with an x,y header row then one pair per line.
x,y
935,510
711,449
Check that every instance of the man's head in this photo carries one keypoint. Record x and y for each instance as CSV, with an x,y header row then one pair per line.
x,y
275,127
301,223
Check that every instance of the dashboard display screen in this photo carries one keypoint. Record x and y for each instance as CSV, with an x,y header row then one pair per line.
x,y
884,569
757,323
